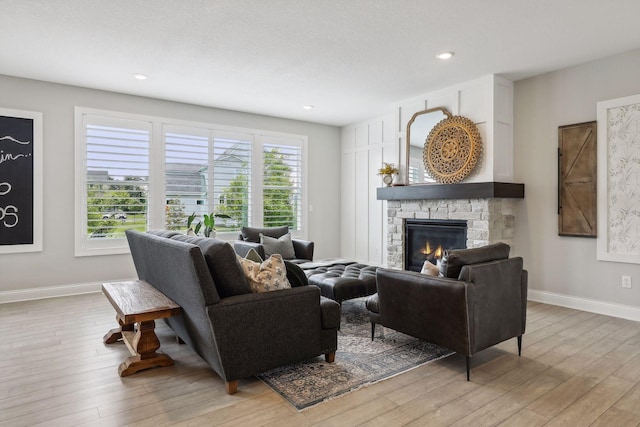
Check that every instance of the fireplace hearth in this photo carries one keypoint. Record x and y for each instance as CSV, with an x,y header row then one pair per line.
x,y
426,239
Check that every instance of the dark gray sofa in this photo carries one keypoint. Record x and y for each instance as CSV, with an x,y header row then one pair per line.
x,y
481,301
238,333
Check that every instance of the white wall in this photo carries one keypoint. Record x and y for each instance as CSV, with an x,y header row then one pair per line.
x,y
365,147
564,269
56,265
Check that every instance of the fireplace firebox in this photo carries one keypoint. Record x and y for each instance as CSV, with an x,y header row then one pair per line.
x,y
426,239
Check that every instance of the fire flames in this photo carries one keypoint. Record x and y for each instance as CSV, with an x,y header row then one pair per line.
x,y
431,253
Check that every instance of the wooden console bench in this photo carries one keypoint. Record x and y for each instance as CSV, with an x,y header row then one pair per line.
x,y
138,302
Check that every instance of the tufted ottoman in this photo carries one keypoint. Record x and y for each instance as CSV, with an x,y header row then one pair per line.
x,y
343,282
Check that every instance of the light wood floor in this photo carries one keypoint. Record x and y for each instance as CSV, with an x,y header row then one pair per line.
x,y
577,369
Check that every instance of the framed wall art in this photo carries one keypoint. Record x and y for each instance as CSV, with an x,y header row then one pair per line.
x,y
619,180
21,183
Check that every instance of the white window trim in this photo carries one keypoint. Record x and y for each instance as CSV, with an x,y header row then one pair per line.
x,y
156,218
84,246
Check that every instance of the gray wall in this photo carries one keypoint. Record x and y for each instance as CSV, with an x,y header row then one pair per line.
x,y
565,265
56,265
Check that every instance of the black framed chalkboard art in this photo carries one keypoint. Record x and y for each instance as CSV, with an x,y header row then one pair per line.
x,y
20,181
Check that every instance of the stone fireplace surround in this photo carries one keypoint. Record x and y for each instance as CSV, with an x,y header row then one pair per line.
x,y
490,217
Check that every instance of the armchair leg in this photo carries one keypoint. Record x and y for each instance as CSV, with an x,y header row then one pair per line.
x,y
373,330
468,366
520,345
231,386
330,357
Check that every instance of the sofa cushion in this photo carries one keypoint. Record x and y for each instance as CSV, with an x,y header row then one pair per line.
x,y
252,234
163,233
373,303
281,245
221,259
453,260
270,275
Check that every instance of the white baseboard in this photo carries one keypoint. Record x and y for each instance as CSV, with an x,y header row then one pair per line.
x,y
593,306
48,292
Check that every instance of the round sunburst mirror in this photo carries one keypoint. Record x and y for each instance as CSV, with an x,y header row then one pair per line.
x,y
452,149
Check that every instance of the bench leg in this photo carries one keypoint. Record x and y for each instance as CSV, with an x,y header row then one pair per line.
x,y
143,345
373,330
115,334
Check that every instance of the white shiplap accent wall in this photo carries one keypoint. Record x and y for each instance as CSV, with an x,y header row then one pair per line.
x,y
488,102
365,147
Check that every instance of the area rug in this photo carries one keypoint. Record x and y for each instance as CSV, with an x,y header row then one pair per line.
x,y
359,361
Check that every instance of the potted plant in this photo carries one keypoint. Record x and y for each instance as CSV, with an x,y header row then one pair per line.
x,y
387,172
193,231
209,225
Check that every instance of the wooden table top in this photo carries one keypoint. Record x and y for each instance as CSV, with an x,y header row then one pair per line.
x,y
138,301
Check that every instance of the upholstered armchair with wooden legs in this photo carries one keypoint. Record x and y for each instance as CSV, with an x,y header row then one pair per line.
x,y
481,301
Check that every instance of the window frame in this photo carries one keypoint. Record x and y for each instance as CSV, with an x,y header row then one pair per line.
x,y
156,193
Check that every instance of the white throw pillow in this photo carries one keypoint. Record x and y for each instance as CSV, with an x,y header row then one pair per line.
x,y
430,269
270,275
282,246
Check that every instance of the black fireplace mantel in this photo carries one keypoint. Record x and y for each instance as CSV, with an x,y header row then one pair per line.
x,y
471,190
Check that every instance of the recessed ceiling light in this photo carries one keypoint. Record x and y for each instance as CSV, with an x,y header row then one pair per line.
x,y
445,55
308,107
140,76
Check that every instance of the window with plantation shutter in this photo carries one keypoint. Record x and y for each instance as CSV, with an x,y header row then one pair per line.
x,y
115,182
232,183
282,183
141,172
186,176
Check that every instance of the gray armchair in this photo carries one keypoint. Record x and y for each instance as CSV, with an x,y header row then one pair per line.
x,y
250,239
481,301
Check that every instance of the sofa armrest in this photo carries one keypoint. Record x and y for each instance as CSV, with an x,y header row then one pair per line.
x,y
432,308
330,312
303,249
258,331
242,247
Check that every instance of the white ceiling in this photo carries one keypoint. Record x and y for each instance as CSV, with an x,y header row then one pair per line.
x,y
351,59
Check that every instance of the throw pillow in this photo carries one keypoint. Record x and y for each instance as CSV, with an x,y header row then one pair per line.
x,y
429,269
253,255
270,275
282,246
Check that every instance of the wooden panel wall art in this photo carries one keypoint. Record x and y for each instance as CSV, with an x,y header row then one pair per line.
x,y
20,181
577,180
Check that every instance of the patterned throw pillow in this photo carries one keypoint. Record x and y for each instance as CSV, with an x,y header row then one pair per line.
x,y
282,246
270,275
